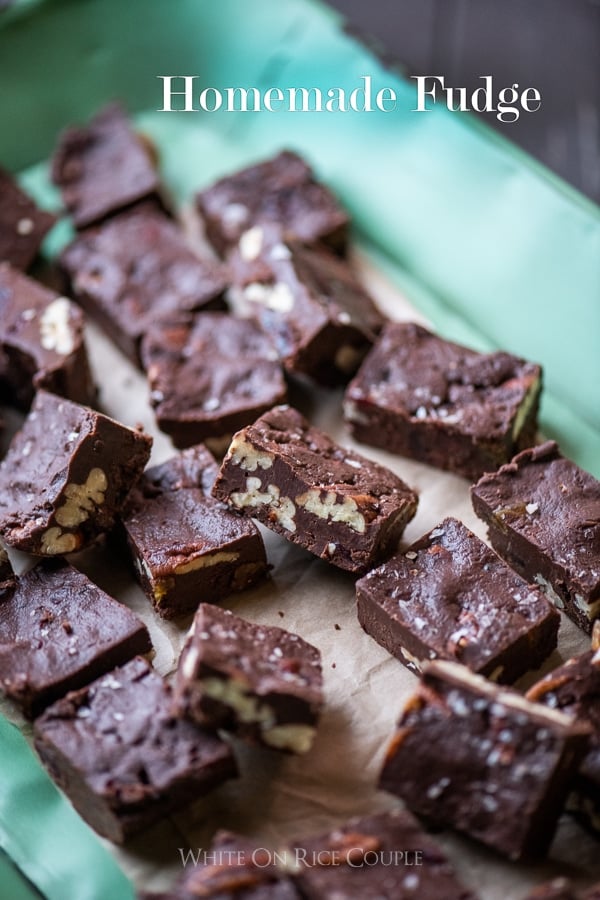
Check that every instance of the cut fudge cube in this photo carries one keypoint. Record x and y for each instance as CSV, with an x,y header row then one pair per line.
x,y
23,225
280,192
66,476
450,597
482,759
344,508
543,518
421,396
209,376
386,856
137,268
59,631
42,342
103,167
258,681
186,547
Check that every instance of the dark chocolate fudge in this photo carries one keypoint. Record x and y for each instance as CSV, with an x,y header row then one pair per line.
x,y
543,518
23,225
66,476
483,760
574,688
209,376
450,596
294,479
103,167
280,192
386,856
58,631
137,268
42,341
187,547
421,396
120,756
321,319
260,682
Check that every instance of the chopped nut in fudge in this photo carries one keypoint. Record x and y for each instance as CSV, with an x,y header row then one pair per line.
x,y
23,225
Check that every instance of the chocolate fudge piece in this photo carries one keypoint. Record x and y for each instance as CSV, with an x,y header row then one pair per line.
x,y
280,192
137,268
543,518
483,760
42,342
66,476
23,225
421,396
574,688
333,502
259,681
103,167
58,631
186,547
209,376
386,856
120,756
321,319
450,596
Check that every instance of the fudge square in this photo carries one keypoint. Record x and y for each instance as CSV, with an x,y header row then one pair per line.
x,y
449,596
23,225
386,856
280,192
421,396
59,631
344,508
186,547
209,375
506,765
66,475
118,754
258,681
574,688
102,167
137,268
42,340
543,518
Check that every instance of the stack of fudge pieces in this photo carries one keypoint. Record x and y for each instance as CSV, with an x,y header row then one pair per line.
x,y
223,334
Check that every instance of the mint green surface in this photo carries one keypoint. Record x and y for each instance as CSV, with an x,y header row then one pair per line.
x,y
493,248
13,884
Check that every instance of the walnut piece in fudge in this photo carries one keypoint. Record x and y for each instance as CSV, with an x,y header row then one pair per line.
x,y
280,192
187,547
103,167
58,631
136,269
450,597
66,476
209,376
23,225
260,682
344,508
42,341
481,759
121,758
543,518
421,396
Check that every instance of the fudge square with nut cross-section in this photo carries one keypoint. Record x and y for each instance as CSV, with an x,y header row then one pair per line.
x,y
66,476
260,682
120,756
484,760
23,225
185,545
543,518
450,597
344,508
421,396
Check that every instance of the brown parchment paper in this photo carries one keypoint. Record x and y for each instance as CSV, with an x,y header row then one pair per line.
x,y
278,797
